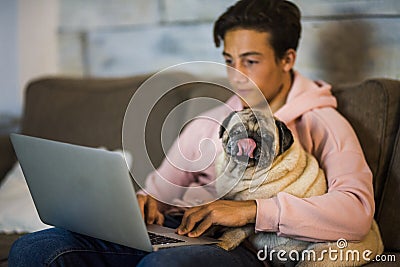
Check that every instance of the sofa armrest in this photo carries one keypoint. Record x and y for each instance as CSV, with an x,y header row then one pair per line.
x,y
7,155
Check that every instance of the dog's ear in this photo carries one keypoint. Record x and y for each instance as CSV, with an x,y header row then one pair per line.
x,y
285,136
225,123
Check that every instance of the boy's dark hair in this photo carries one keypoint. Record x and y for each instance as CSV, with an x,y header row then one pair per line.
x,y
280,18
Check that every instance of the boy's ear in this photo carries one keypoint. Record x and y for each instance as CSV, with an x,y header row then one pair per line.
x,y
289,59
225,124
285,136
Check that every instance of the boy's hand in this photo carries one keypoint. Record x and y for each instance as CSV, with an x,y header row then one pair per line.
x,y
221,212
150,209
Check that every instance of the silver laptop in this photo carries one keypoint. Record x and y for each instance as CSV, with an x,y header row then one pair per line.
x,y
89,191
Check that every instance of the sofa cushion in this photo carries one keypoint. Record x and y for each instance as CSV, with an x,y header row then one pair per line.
x,y
373,109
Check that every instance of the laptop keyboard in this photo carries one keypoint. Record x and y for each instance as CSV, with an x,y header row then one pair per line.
x,y
156,239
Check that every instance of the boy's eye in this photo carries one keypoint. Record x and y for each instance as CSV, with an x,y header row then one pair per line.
x,y
228,61
251,62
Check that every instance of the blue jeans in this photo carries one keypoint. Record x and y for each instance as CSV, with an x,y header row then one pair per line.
x,y
58,247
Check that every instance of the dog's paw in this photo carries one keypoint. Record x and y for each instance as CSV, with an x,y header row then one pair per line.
x,y
228,245
232,238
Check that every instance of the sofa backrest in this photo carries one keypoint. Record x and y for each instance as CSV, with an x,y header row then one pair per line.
x,y
79,111
373,109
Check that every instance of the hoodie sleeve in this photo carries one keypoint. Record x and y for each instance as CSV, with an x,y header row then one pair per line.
x,y
346,210
170,179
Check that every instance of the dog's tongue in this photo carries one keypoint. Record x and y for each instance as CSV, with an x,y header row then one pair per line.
x,y
246,147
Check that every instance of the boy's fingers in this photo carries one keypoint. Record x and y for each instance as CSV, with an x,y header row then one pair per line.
x,y
152,210
160,219
203,226
194,216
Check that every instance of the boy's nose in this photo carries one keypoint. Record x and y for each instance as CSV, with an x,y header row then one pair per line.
x,y
237,75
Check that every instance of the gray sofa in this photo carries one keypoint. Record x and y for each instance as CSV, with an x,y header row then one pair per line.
x,y
90,112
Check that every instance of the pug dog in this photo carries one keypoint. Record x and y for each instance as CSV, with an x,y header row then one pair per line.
x,y
261,158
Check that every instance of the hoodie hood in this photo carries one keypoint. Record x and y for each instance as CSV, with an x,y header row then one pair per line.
x,y
304,96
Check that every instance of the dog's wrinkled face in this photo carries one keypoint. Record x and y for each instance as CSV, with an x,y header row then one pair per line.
x,y
250,138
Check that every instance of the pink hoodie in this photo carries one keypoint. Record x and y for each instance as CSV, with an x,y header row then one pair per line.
x,y
346,211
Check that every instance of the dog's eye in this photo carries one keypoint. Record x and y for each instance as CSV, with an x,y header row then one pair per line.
x,y
238,134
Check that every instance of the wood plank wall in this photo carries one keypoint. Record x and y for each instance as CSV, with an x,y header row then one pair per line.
x,y
342,41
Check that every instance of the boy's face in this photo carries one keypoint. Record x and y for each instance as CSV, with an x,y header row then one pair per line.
x,y
249,52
